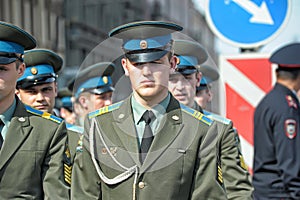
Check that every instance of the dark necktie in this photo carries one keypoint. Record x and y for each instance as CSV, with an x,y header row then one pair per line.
x,y
148,116
1,138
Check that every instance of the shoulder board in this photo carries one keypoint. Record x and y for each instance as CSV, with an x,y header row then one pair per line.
x,y
291,102
196,114
216,117
104,110
45,115
75,128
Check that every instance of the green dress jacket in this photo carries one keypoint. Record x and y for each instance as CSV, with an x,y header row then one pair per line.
x,y
74,134
31,156
181,164
234,174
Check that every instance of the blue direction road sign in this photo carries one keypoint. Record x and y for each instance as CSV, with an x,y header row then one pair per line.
x,y
247,23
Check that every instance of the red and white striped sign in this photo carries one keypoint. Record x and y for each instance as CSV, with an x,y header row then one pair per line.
x,y
247,78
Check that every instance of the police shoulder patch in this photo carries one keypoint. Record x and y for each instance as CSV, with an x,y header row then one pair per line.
x,y
290,126
104,110
45,115
196,114
216,117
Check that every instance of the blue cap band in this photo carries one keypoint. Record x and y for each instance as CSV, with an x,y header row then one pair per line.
x,y
11,47
93,83
66,102
39,69
188,61
203,81
152,43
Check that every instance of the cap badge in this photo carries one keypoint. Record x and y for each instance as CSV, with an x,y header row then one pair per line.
x,y
34,71
105,79
143,44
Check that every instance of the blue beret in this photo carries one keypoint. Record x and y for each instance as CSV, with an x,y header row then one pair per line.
x,y
145,41
13,41
95,79
41,67
190,54
287,57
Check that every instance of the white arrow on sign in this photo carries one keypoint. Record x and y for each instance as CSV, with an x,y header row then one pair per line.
x,y
260,14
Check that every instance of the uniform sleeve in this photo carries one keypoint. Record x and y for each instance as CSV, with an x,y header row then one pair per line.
x,y
85,180
53,180
287,141
235,175
206,183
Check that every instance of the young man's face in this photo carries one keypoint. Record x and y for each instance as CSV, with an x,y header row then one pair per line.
x,y
9,75
150,80
68,115
40,97
98,101
90,102
183,87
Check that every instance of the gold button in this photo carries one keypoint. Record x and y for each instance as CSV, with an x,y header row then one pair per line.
x,y
141,185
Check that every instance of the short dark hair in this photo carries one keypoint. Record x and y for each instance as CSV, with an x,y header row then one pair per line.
x,y
290,74
18,63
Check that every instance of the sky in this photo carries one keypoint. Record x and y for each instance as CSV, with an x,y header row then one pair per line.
x,y
289,34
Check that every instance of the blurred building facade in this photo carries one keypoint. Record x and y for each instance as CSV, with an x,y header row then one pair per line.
x,y
73,28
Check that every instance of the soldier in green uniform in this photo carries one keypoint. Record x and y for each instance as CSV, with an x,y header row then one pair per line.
x,y
32,141
204,94
183,82
38,88
148,146
92,89
64,102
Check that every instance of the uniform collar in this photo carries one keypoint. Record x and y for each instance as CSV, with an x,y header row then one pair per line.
x,y
7,115
158,110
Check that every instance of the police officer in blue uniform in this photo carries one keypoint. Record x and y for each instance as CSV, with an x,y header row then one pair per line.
x,y
277,133
31,141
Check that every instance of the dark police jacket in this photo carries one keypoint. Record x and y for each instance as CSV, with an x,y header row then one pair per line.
x,y
181,164
31,157
277,145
